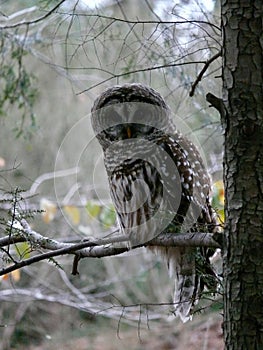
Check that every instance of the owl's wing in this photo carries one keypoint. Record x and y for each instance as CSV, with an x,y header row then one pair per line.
x,y
190,267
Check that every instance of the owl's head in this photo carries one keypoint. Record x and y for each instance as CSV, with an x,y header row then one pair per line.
x,y
127,112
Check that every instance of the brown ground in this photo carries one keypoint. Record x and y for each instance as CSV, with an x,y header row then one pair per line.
x,y
199,334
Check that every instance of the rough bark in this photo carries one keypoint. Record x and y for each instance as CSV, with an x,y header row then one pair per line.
x,y
243,170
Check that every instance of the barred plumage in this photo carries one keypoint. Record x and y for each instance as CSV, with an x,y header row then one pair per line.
x,y
158,181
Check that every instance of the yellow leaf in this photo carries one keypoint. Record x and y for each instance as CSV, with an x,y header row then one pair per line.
x,y
73,213
23,250
221,215
49,210
93,209
15,275
5,277
218,193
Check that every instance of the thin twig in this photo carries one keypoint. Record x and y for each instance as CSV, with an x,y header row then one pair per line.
x,y
125,20
39,19
147,69
204,69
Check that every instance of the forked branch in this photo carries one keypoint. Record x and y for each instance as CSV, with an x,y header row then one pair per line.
x,y
96,248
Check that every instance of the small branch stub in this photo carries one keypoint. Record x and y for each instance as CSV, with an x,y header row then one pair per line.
x,y
217,103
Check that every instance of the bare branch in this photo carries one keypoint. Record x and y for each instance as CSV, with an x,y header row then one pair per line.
x,y
193,239
126,20
26,23
97,248
49,176
20,13
87,302
204,69
147,69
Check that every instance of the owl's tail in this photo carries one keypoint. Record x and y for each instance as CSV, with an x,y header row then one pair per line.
x,y
182,267
192,271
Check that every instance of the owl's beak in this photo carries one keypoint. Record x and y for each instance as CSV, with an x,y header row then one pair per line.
x,y
129,133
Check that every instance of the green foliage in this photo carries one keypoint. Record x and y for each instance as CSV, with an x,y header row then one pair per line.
x,y
23,250
93,209
108,216
218,200
12,204
17,83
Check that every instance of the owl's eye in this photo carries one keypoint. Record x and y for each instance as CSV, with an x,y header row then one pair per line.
x,y
141,129
127,131
115,132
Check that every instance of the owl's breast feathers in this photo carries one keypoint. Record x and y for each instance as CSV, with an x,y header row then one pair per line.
x,y
155,183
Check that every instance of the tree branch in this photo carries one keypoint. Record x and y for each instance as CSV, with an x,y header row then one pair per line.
x,y
39,19
137,21
193,239
217,103
96,248
200,75
141,70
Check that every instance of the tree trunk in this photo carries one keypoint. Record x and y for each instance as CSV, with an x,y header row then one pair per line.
x,y
243,169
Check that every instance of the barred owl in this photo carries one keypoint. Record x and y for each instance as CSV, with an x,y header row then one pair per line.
x,y
158,182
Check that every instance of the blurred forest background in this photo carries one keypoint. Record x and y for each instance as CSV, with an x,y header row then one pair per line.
x,y
53,65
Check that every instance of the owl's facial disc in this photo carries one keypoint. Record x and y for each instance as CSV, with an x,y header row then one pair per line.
x,y
119,121
128,120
